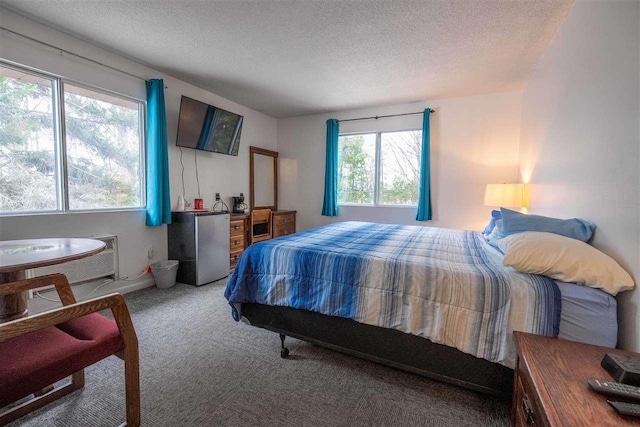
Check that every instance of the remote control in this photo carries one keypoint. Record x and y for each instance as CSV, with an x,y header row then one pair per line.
x,y
628,409
615,389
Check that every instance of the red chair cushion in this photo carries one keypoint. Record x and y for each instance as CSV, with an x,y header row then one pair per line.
x,y
30,362
93,327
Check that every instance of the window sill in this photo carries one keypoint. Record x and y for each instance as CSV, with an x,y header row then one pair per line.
x,y
363,205
90,211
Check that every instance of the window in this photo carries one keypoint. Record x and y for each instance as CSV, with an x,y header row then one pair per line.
x,y
28,179
356,168
64,147
379,168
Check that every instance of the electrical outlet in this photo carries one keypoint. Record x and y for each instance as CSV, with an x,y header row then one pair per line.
x,y
217,196
150,252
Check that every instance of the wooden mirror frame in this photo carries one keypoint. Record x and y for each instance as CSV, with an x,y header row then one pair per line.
x,y
264,152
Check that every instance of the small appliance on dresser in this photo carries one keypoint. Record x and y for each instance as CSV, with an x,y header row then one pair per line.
x,y
200,241
239,207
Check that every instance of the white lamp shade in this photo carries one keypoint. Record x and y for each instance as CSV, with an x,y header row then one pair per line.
x,y
504,195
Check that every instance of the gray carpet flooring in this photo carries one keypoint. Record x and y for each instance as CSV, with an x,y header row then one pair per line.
x,y
200,368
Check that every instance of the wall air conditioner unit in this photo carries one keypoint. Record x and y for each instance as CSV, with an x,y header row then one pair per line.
x,y
99,266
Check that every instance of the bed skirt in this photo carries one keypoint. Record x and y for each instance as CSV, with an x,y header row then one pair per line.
x,y
386,346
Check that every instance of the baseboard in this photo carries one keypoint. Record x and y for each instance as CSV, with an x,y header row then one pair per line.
x,y
129,286
41,302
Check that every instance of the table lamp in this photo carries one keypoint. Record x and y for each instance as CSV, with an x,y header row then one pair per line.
x,y
504,195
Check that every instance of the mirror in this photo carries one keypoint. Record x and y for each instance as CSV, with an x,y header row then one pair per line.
x,y
263,178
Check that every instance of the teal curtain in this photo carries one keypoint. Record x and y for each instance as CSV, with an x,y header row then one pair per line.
x,y
158,194
424,200
330,205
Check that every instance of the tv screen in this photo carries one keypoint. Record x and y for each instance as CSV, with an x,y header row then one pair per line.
x,y
205,127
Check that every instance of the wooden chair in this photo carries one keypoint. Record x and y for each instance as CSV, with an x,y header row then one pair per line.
x,y
37,351
261,226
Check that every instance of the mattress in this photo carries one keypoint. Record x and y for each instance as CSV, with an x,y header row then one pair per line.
x,y
588,315
440,284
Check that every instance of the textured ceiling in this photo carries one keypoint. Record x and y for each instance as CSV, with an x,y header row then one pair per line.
x,y
288,58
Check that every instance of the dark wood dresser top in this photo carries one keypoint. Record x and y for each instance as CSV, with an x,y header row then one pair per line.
x,y
235,216
557,370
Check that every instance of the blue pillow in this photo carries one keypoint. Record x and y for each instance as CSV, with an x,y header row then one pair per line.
x,y
496,234
515,222
495,215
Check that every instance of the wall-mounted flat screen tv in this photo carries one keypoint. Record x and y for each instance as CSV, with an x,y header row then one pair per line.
x,y
205,127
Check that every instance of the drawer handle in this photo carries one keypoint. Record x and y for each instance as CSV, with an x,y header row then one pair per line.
x,y
235,242
236,227
235,257
528,412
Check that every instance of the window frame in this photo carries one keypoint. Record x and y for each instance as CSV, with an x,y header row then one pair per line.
x,y
60,143
377,162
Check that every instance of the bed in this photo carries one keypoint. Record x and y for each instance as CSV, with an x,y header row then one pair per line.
x,y
434,301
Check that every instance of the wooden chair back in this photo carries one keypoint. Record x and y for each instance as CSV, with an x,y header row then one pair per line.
x,y
261,225
71,310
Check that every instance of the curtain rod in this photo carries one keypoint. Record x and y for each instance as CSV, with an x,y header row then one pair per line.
x,y
74,54
382,117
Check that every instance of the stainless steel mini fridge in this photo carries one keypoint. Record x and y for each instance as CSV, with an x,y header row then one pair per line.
x,y
200,241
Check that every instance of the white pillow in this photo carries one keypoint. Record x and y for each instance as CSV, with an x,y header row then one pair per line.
x,y
565,259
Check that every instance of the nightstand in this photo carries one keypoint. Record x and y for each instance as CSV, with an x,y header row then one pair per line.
x,y
550,386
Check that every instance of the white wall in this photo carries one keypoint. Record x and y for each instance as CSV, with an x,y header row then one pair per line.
x,y
227,175
218,173
581,135
474,141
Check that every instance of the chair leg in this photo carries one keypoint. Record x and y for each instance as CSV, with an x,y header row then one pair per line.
x,y
132,385
77,382
44,391
77,379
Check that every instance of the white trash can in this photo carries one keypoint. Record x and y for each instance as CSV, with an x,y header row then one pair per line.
x,y
164,273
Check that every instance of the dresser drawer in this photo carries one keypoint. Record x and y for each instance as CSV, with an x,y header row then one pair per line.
x,y
236,243
526,411
284,223
234,257
283,230
284,220
236,228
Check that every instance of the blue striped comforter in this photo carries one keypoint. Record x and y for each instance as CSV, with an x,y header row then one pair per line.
x,y
445,285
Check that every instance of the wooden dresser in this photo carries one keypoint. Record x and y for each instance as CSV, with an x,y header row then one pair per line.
x,y
239,235
284,223
550,387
